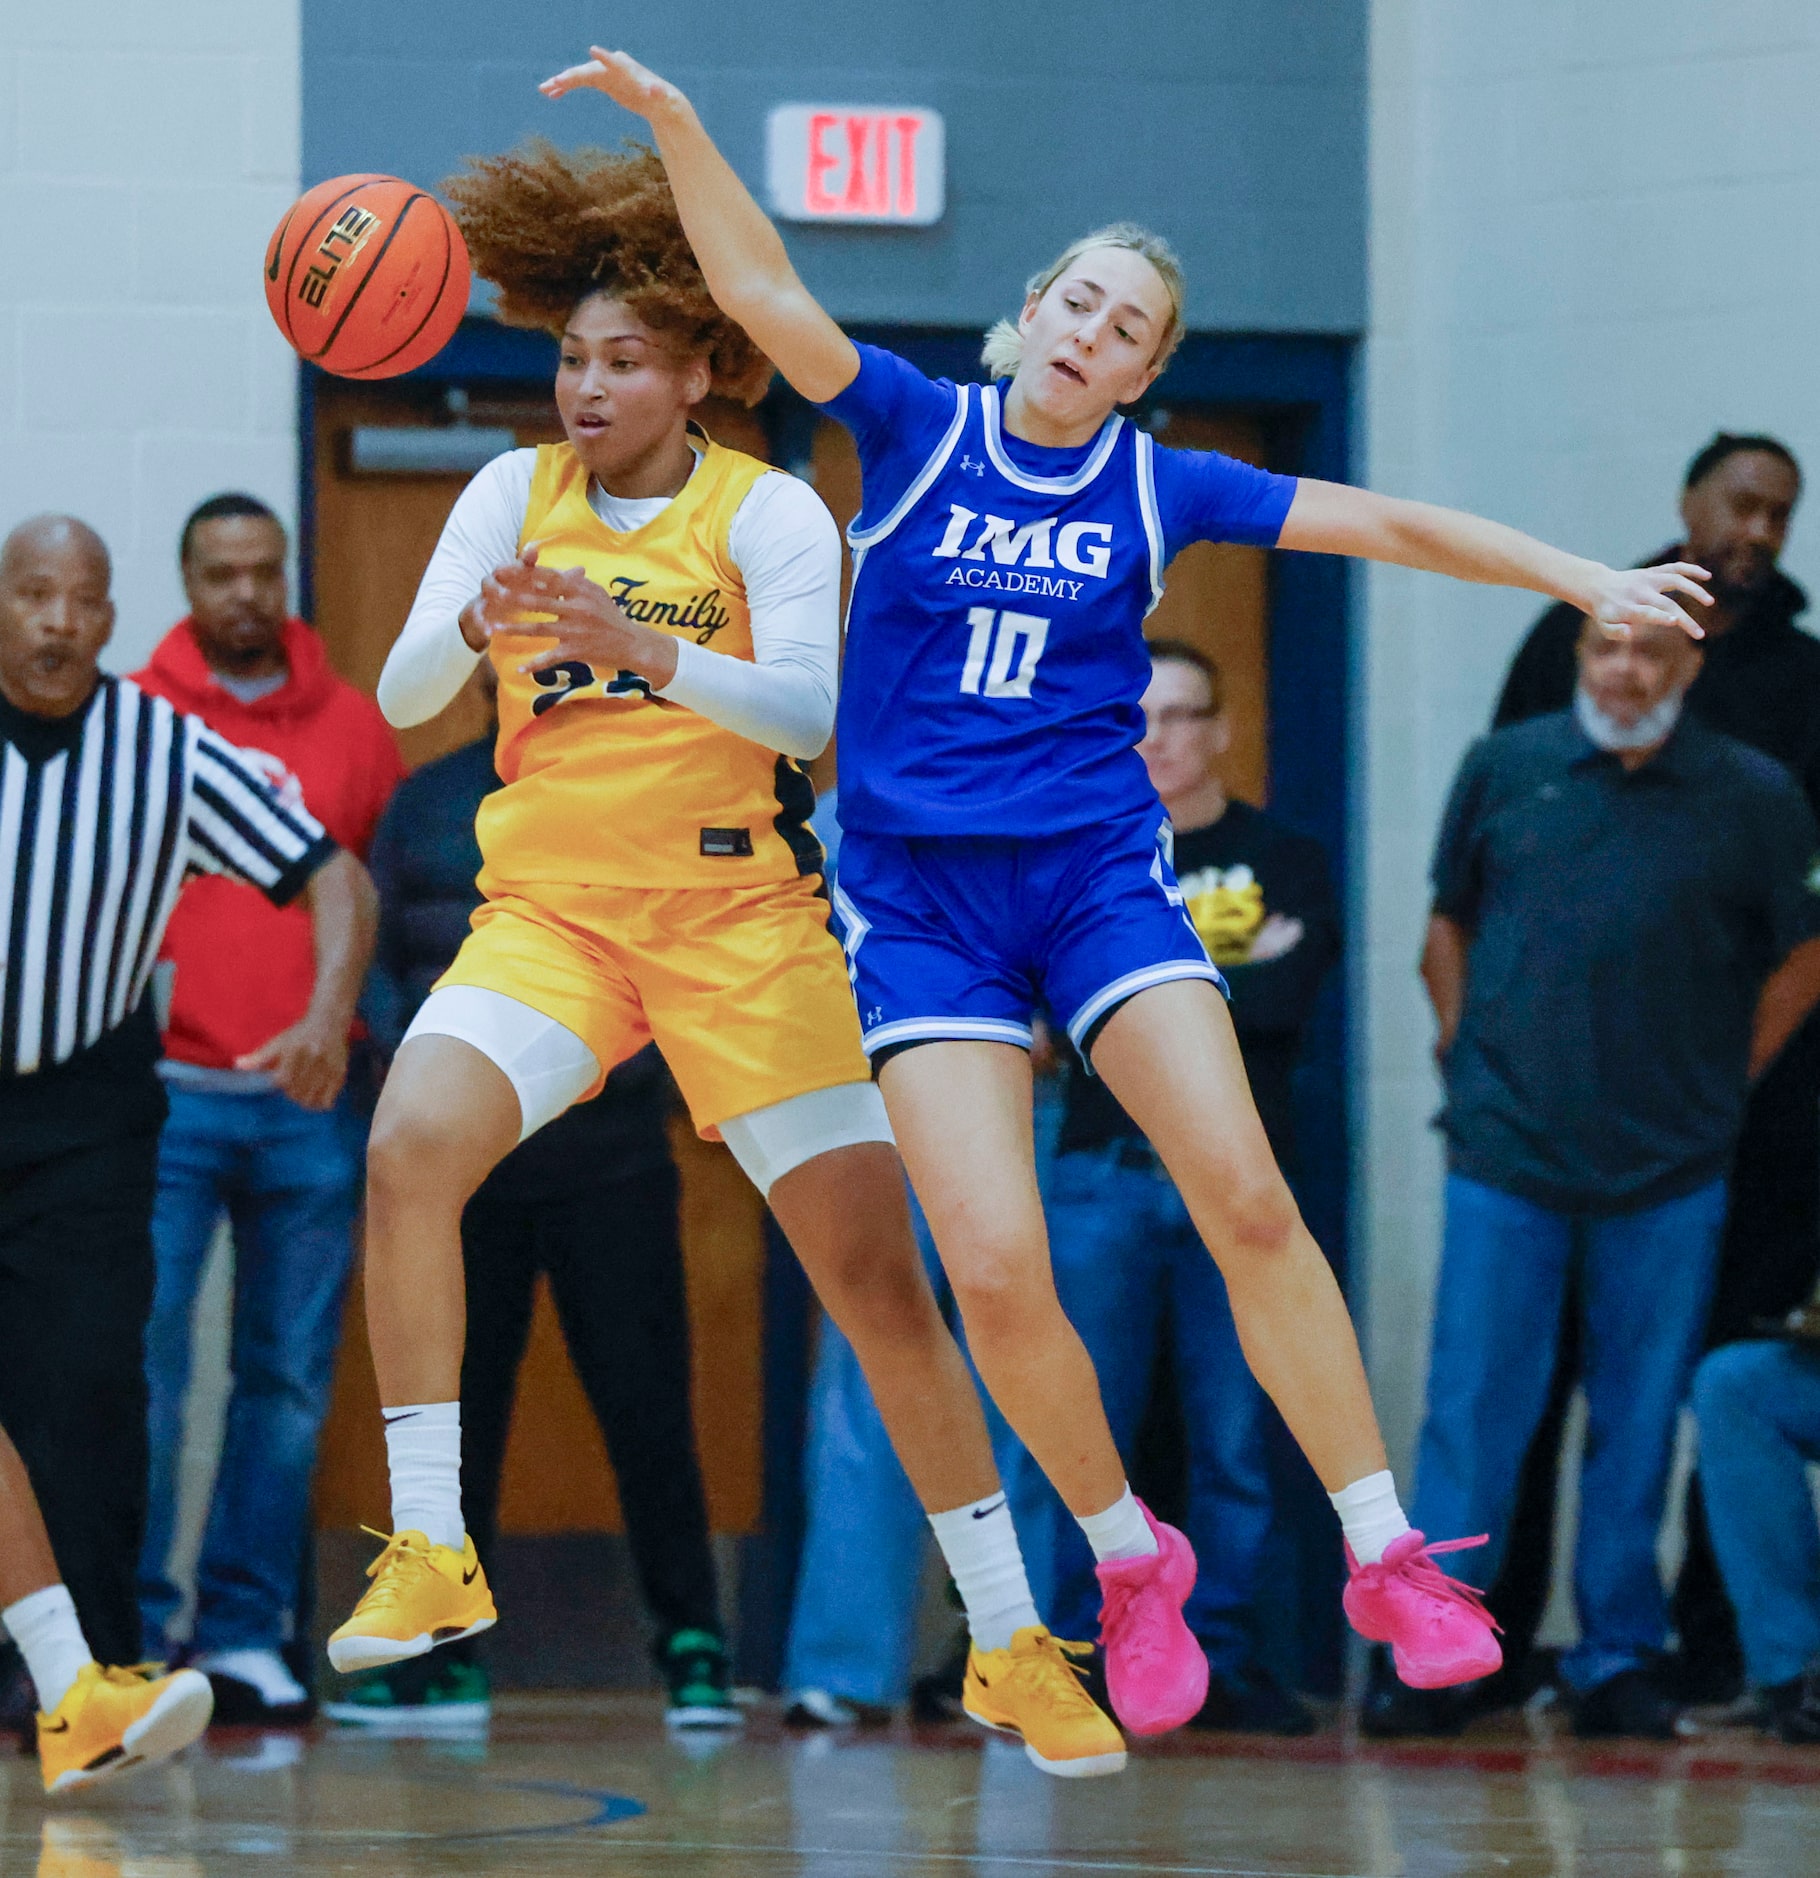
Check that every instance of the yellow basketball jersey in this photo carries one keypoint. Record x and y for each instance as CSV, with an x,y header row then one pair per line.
x,y
606,784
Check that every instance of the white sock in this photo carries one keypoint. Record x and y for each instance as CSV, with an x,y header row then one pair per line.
x,y
1120,1532
980,1546
50,1639
423,1448
1371,1515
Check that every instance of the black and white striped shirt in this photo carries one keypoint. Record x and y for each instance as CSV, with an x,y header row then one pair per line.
x,y
103,816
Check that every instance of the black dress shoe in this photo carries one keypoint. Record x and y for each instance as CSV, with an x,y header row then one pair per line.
x,y
18,1702
239,1705
1791,1710
1630,1703
936,1697
819,1708
1517,1683
1250,1701
1392,1710
1706,1680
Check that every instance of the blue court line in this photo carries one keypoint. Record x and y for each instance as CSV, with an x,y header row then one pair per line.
x,y
609,1809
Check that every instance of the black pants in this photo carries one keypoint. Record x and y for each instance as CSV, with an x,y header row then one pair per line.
x,y
614,1258
75,1294
1768,1262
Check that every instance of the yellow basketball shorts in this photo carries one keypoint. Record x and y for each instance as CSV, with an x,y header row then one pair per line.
x,y
744,989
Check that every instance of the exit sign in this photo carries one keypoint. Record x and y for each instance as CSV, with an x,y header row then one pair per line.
x,y
855,163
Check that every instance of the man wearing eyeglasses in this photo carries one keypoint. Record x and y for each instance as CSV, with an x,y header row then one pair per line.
x,y
1129,1266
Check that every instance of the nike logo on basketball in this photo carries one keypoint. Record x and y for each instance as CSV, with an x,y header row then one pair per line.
x,y
986,1512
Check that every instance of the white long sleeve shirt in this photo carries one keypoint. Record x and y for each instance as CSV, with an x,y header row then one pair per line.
x,y
784,543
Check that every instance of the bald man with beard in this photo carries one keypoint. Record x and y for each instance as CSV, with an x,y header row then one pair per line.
x,y
109,800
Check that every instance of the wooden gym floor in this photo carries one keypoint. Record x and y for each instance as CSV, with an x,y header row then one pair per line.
x,y
569,1784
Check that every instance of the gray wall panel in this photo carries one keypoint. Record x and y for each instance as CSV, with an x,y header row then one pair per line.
x,y
1236,127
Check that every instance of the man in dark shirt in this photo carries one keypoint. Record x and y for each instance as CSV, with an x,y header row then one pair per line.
x,y
1131,1270
591,1201
1625,931
1760,683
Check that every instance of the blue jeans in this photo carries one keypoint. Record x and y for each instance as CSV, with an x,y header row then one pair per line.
x,y
1644,1283
289,1183
1758,1406
1131,1271
853,1621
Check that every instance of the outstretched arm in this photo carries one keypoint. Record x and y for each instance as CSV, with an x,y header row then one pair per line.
x,y
1334,518
741,254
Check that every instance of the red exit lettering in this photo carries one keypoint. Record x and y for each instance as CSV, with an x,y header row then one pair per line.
x,y
870,150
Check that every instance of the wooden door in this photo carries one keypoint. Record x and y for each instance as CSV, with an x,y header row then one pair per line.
x,y
1215,598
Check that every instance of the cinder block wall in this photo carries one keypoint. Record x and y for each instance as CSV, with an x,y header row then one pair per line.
x,y
145,154
1235,126
1595,239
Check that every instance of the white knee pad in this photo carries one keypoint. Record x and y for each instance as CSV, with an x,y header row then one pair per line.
x,y
544,1061
769,1142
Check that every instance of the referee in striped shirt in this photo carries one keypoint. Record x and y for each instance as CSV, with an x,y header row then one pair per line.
x,y
109,801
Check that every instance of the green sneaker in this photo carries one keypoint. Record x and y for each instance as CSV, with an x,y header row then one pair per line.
x,y
430,1694
698,1680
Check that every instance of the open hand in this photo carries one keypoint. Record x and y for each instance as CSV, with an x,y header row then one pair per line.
x,y
1645,596
308,1062
621,77
495,605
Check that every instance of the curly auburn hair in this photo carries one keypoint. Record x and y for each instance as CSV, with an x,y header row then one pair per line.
x,y
550,227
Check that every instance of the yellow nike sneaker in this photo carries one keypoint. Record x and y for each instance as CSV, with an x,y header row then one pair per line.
x,y
111,1720
1034,1691
421,1595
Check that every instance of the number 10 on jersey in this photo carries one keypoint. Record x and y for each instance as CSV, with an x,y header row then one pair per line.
x,y
996,641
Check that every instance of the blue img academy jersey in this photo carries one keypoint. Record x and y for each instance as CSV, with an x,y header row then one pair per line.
x,y
995,653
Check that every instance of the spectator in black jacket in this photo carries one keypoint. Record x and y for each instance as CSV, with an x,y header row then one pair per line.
x,y
1760,683
591,1200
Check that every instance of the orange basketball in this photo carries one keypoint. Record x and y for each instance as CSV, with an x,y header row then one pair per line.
x,y
367,276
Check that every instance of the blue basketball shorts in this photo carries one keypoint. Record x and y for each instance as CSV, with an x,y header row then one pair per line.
x,y
956,937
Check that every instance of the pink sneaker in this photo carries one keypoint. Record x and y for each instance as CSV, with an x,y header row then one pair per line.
x,y
1438,1629
1156,1673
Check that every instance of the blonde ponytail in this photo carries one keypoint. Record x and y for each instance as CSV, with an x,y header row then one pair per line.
x,y
1003,350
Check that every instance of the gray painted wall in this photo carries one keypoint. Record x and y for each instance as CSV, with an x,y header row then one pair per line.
x,y
1236,127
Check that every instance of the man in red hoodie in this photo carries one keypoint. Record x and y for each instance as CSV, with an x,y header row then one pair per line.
x,y
255,1059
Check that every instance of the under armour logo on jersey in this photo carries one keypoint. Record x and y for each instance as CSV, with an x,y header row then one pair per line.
x,y
972,466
